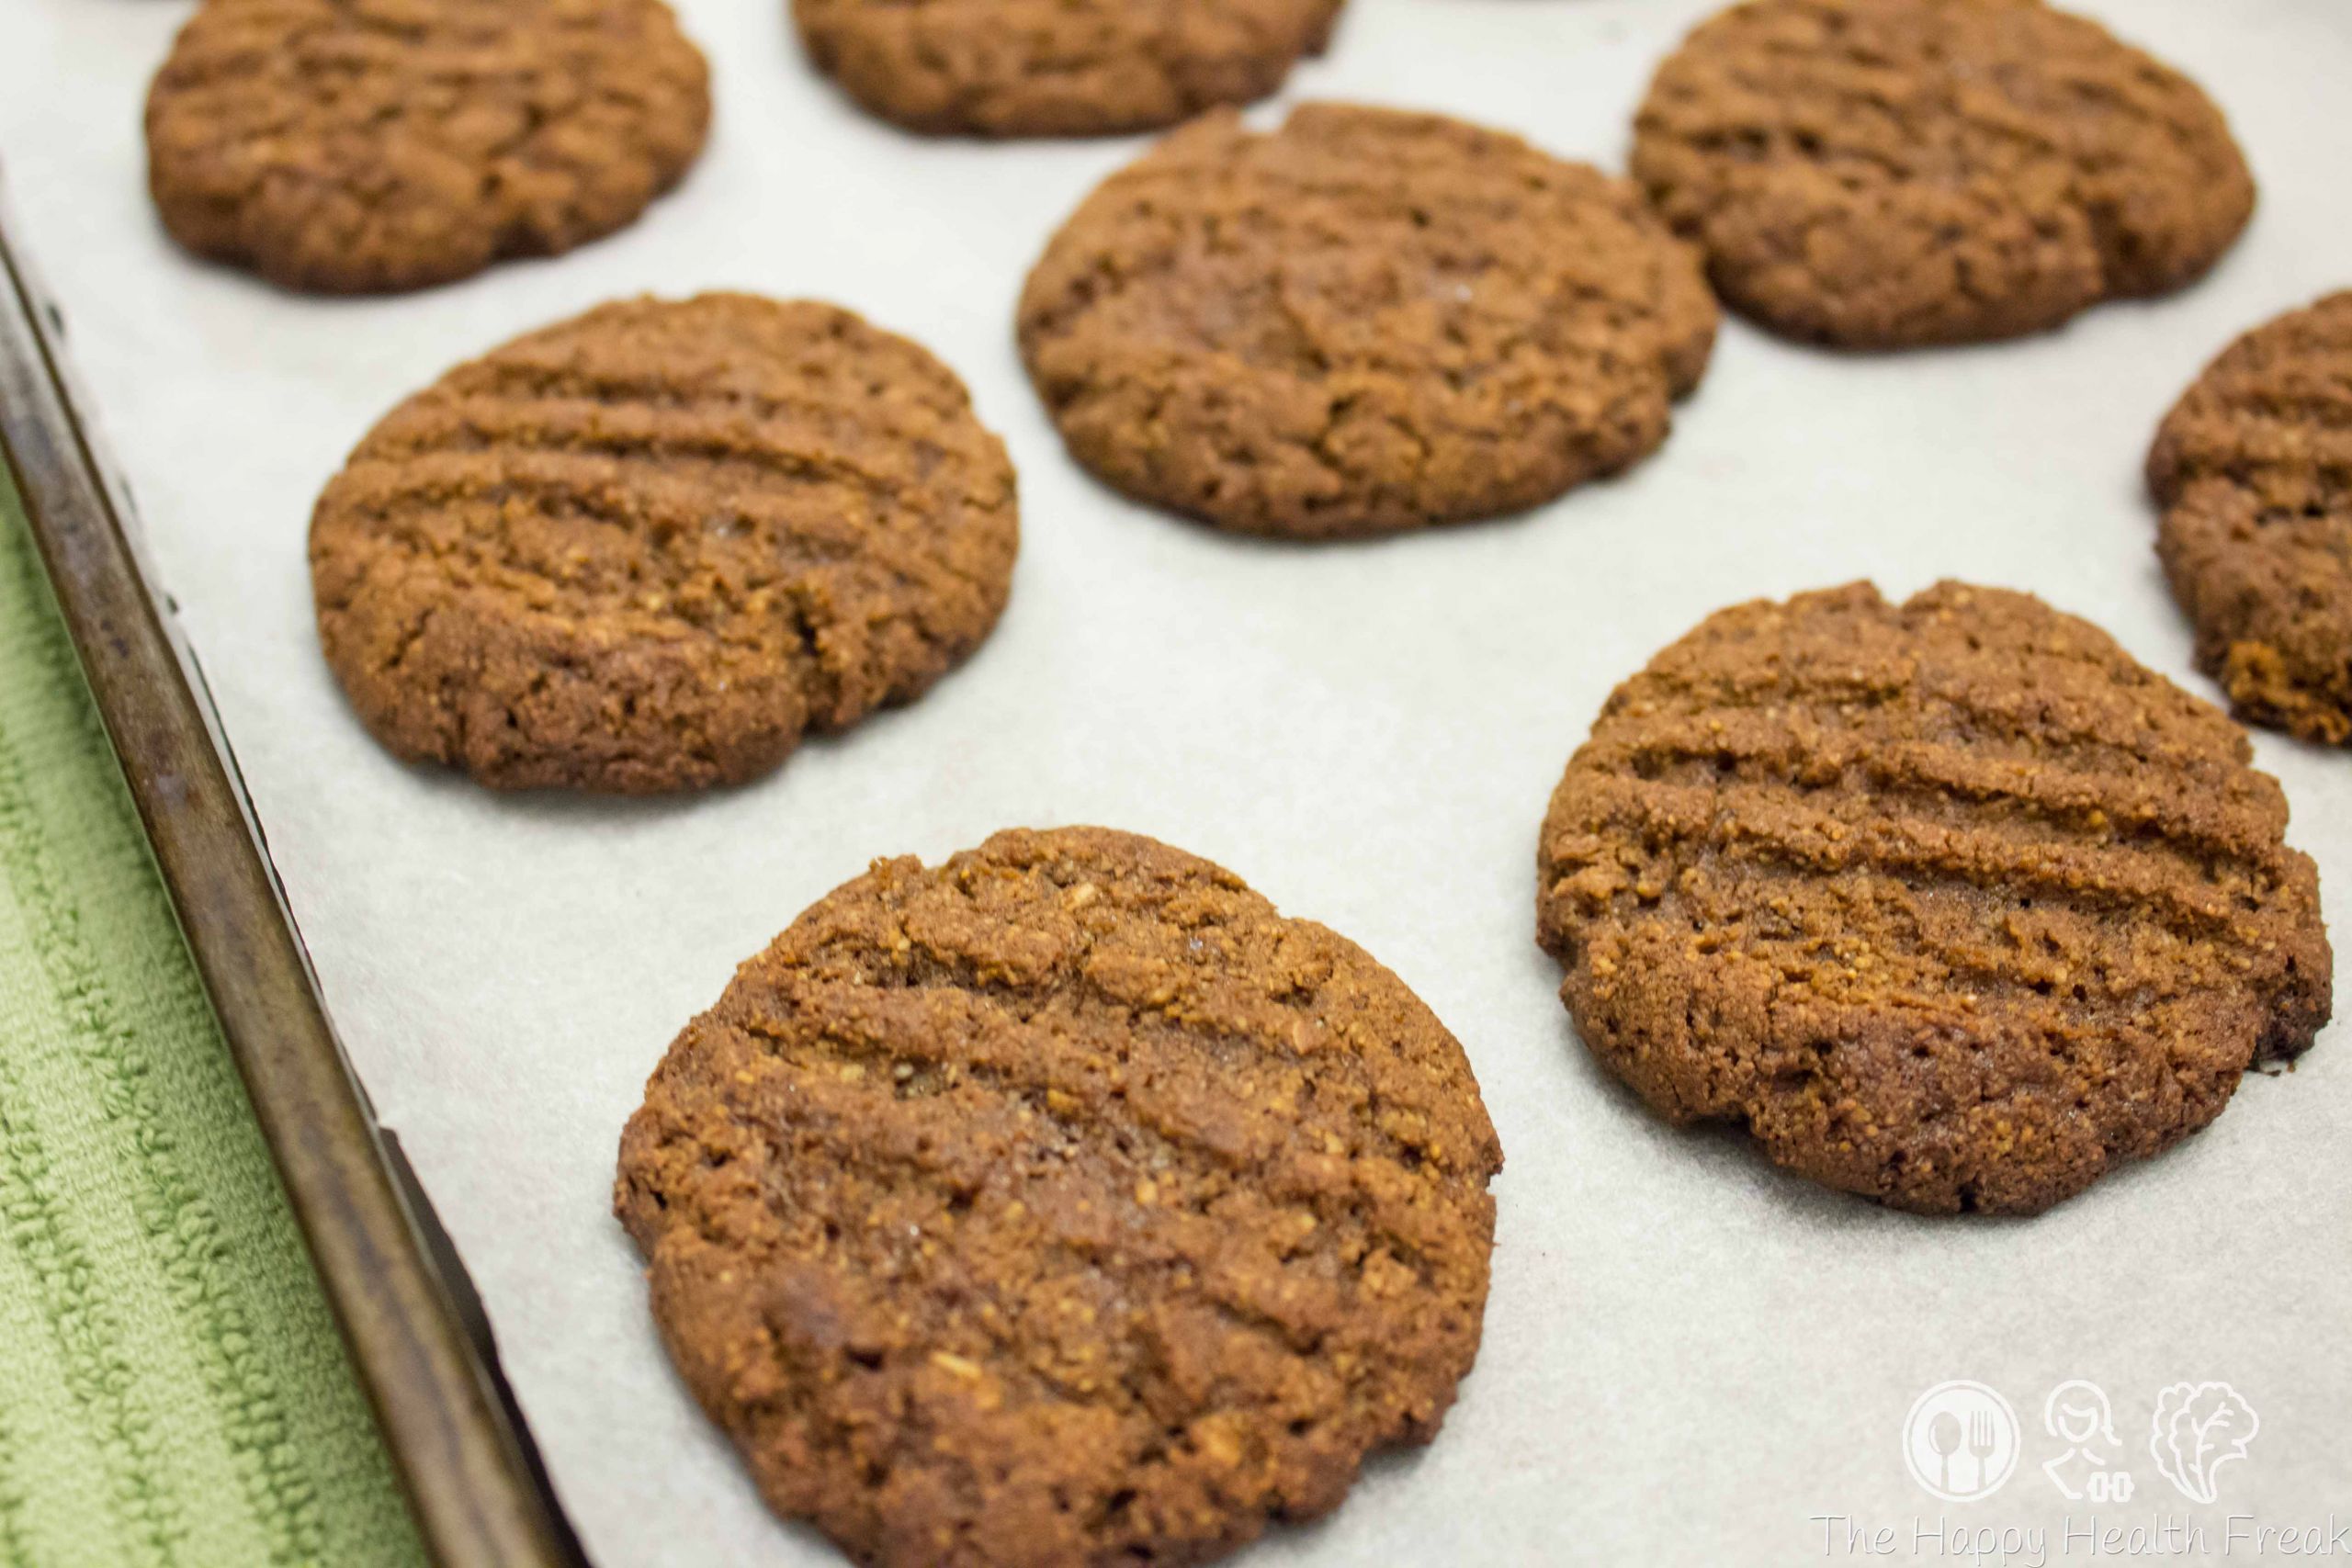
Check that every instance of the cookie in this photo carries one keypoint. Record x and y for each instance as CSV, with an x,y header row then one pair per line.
x,y
1062,1203
1881,174
649,548
1949,903
1058,67
2253,470
358,146
1364,321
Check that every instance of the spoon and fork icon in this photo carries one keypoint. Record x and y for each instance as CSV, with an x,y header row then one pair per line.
x,y
1960,1440
1944,1436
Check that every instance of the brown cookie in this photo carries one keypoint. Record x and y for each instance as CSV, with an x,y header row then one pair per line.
x,y
1062,1203
1879,173
1949,903
649,548
2254,469
351,146
1362,321
1058,67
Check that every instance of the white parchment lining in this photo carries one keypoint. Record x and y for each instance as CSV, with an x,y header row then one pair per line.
x,y
1688,1354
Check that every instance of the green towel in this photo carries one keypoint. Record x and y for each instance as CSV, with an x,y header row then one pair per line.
x,y
172,1390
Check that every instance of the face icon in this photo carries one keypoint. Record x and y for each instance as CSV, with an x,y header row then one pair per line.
x,y
2077,1412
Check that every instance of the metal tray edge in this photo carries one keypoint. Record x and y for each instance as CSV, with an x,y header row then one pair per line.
x,y
472,1481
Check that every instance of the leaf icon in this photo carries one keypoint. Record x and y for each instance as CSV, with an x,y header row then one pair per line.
x,y
2198,1428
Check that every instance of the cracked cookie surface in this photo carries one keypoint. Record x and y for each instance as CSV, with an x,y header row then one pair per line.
x,y
352,146
649,548
2253,470
1058,67
1883,174
1949,903
1364,321
1062,1204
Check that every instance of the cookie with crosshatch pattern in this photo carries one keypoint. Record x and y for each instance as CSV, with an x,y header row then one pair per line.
x,y
1062,1202
1949,902
360,146
1881,174
1361,322
1058,67
651,547
2253,470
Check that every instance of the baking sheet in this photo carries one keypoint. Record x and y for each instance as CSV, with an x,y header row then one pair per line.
x,y
1690,1356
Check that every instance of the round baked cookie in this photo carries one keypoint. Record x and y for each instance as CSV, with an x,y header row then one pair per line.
x,y
1058,67
2254,469
1879,173
647,548
1062,1203
351,146
1362,321
1949,903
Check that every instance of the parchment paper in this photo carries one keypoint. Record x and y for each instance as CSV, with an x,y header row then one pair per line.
x,y
1688,1357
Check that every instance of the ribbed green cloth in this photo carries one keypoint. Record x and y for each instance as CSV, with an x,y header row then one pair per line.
x,y
172,1391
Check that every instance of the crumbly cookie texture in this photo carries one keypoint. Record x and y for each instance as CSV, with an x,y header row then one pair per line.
x,y
1363,321
649,548
1951,902
357,146
1062,1204
1058,67
2253,470
1881,174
